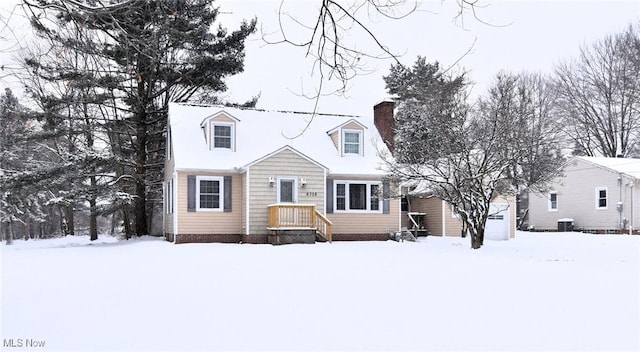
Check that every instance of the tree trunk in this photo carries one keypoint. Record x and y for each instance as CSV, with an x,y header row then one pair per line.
x,y
93,210
113,223
126,222
69,220
140,205
10,233
475,241
27,230
477,237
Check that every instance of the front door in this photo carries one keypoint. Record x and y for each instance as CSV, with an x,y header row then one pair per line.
x,y
287,191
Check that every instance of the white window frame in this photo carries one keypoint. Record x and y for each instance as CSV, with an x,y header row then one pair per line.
x,y
295,187
347,184
220,180
231,133
597,198
550,202
360,144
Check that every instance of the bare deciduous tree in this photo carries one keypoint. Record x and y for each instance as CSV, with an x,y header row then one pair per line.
x,y
599,95
468,156
343,38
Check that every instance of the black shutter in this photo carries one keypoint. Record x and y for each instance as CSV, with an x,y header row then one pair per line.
x,y
227,194
385,201
329,196
191,193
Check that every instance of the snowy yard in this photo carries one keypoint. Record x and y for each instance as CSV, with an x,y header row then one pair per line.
x,y
537,292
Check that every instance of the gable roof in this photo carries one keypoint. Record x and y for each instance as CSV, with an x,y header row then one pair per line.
x,y
627,166
260,133
289,148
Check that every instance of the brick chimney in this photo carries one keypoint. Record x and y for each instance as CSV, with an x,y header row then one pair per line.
x,y
383,119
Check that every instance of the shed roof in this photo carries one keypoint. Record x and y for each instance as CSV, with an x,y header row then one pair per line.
x,y
262,132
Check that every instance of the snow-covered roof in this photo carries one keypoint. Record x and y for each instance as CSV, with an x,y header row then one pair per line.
x,y
259,133
627,166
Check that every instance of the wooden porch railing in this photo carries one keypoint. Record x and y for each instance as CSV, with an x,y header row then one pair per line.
x,y
323,226
299,216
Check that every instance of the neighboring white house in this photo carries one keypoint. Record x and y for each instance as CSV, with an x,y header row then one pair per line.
x,y
595,194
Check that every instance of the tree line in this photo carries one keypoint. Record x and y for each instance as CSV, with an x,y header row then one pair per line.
x,y
100,79
514,137
90,145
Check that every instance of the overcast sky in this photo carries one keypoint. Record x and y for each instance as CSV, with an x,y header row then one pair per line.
x,y
523,36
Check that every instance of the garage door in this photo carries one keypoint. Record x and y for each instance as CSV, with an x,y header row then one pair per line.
x,y
498,223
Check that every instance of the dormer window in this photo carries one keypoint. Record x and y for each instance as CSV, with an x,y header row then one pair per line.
x,y
222,136
219,131
352,142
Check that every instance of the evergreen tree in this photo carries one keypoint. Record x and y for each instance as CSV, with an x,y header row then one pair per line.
x,y
146,53
466,156
19,202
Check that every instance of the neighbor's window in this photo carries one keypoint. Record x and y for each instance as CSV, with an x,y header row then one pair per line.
x,y
209,193
601,198
553,201
358,196
223,136
352,142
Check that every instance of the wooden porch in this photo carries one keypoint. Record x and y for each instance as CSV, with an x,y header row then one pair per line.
x,y
299,217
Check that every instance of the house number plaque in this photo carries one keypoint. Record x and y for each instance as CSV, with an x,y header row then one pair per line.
x,y
312,194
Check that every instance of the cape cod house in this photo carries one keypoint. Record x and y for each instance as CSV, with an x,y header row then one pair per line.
x,y
258,176
594,194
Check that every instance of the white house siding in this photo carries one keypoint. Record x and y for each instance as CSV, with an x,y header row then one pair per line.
x,y
283,164
577,199
209,222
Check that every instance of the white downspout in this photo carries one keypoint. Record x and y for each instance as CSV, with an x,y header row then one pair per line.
x,y
174,206
247,181
444,224
633,216
399,197
324,190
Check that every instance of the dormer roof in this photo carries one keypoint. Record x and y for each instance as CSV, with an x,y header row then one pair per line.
x,y
218,115
346,123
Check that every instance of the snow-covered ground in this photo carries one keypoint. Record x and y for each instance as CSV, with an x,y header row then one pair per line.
x,y
546,291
